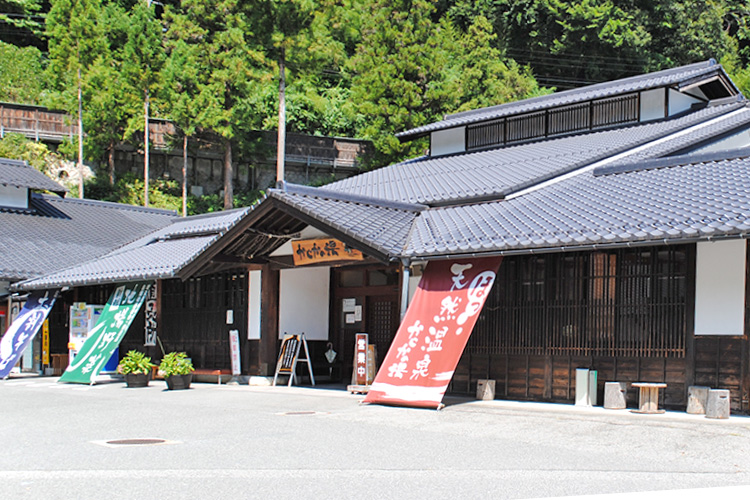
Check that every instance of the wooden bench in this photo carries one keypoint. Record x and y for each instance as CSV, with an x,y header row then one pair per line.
x,y
209,373
203,373
648,400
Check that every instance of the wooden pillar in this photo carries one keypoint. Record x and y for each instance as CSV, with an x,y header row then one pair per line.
x,y
269,322
690,319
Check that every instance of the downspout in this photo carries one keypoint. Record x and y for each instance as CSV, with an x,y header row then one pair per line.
x,y
405,274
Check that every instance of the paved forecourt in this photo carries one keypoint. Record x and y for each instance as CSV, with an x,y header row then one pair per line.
x,y
108,441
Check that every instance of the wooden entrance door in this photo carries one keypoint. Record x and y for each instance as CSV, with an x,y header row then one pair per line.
x,y
365,300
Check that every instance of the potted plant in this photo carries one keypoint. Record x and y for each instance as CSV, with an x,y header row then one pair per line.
x,y
136,367
177,370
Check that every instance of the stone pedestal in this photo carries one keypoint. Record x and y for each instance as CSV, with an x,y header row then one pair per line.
x,y
718,403
697,399
614,395
485,389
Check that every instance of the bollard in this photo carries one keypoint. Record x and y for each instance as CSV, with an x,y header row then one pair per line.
x,y
697,399
614,395
718,403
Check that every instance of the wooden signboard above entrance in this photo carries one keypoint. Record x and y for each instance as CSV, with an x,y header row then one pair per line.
x,y
322,250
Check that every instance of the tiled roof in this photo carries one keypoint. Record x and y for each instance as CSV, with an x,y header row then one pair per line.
x,y
679,202
18,173
160,259
667,77
499,172
160,254
378,224
60,232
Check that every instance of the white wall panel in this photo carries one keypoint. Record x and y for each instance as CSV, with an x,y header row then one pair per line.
x,y
304,295
720,288
445,142
253,326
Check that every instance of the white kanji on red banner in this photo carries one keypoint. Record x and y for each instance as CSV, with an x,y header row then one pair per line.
x,y
433,334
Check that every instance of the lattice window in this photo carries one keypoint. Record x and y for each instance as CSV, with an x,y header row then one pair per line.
x,y
620,303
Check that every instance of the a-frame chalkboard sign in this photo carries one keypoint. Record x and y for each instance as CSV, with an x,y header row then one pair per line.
x,y
290,356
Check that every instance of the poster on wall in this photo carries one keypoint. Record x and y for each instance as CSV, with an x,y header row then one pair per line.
x,y
121,308
24,327
151,316
429,342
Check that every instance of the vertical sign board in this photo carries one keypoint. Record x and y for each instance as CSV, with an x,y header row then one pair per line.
x,y
234,345
433,334
45,342
151,316
25,326
360,358
118,313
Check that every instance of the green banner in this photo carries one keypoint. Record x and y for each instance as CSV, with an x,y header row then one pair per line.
x,y
113,323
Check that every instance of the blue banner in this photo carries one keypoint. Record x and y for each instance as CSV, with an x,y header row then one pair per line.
x,y
24,327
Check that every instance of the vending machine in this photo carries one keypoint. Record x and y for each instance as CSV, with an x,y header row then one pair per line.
x,y
83,318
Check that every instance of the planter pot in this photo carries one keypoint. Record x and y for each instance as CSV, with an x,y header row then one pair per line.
x,y
136,379
175,382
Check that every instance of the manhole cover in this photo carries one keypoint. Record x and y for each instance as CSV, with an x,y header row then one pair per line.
x,y
123,443
136,442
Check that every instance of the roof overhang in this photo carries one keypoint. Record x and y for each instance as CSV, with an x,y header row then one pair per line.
x,y
264,230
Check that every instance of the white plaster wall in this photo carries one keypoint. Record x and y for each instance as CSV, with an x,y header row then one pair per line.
x,y
304,295
720,288
679,102
14,197
444,142
253,322
652,104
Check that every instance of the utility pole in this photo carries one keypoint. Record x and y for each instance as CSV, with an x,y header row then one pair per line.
x,y
80,135
281,141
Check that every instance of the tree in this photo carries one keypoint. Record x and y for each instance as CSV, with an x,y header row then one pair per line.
x,y
409,71
23,22
142,61
107,111
284,21
180,76
21,70
75,41
227,64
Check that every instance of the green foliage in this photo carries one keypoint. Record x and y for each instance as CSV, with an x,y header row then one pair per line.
x,y
409,71
214,203
17,147
130,190
175,363
135,362
21,70
22,21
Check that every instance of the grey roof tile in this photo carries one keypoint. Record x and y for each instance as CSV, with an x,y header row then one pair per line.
x,y
670,76
18,173
498,172
62,232
158,254
383,227
159,259
682,201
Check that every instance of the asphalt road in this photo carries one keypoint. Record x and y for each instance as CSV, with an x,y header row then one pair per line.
x,y
261,442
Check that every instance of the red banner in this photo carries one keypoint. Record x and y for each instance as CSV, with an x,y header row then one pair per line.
x,y
424,354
